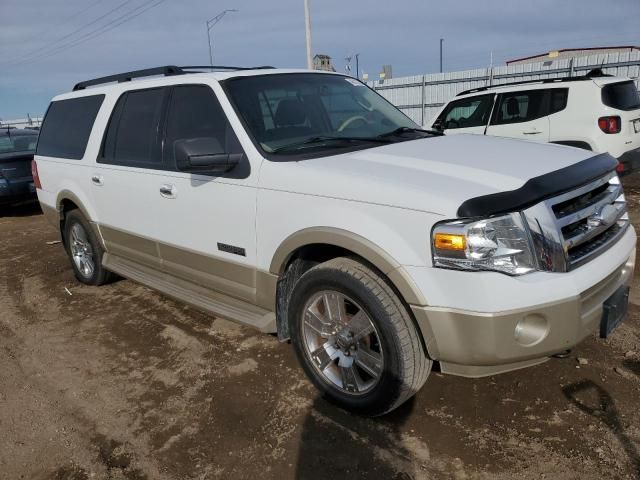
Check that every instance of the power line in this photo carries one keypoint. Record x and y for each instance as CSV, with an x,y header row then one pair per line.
x,y
130,15
52,44
64,22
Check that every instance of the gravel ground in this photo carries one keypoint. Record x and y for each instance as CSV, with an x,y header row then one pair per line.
x,y
118,382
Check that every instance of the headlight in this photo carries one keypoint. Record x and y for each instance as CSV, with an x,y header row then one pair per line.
x,y
500,244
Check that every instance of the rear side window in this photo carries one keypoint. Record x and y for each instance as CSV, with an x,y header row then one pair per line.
x,y
468,112
558,101
67,125
134,130
621,95
518,107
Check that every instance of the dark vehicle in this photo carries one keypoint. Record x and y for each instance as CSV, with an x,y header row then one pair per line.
x,y
16,153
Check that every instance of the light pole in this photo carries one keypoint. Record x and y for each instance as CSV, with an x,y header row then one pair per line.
x,y
307,29
441,52
348,60
210,23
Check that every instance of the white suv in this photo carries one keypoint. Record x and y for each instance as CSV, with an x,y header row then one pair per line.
x,y
303,203
595,112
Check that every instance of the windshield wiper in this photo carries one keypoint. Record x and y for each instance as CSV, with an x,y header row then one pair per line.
x,y
401,130
326,138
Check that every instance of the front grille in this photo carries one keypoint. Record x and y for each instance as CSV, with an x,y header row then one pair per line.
x,y
590,219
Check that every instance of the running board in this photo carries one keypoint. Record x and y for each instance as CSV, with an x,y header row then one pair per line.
x,y
215,303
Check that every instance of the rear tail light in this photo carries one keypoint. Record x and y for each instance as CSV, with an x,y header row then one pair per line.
x,y
34,174
609,124
620,168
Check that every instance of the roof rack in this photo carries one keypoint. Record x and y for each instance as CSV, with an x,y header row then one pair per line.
x,y
525,82
223,68
167,70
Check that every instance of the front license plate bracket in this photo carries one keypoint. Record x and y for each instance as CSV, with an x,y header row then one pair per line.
x,y
614,310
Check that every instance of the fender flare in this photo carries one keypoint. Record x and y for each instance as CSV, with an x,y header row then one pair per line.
x,y
69,195
355,243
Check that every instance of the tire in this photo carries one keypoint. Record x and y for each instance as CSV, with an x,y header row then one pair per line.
x,y
368,368
84,250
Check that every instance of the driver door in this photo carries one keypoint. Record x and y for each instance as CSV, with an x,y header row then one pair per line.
x,y
467,115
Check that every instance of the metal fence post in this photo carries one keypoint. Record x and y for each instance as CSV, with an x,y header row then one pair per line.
x,y
423,97
571,67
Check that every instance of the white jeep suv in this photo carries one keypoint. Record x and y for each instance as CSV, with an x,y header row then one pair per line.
x,y
595,112
304,204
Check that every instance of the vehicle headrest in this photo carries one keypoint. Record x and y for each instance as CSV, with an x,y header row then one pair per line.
x,y
290,111
513,107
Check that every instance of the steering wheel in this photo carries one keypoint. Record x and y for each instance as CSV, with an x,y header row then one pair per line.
x,y
351,120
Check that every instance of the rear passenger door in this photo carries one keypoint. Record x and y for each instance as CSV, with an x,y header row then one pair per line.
x,y
523,114
467,115
207,222
126,176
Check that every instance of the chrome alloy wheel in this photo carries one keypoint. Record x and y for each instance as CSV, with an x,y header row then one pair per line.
x,y
342,342
81,251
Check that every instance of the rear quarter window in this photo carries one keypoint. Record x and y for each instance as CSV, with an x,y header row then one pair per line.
x,y
558,99
66,127
621,95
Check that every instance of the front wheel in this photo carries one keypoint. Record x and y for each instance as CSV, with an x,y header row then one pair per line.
x,y
355,339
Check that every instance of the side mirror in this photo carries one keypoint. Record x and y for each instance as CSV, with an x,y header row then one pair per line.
x,y
437,125
203,155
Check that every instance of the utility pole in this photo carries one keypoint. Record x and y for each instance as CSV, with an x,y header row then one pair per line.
x,y
210,23
441,45
357,66
307,28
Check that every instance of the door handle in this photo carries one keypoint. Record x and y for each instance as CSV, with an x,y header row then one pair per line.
x,y
532,132
168,191
97,180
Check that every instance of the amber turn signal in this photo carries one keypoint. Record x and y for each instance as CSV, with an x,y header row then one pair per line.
x,y
447,241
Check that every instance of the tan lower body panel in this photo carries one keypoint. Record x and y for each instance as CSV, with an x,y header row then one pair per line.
x,y
196,295
134,247
229,278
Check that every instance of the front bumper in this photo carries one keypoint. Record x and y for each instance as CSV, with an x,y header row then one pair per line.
x,y
629,162
531,319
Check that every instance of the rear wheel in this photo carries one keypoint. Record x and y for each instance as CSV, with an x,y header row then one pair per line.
x,y
84,250
355,339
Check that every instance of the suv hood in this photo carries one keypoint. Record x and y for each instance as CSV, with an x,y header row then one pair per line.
x,y
432,174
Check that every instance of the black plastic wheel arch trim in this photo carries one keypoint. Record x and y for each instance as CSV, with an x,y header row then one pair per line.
x,y
539,188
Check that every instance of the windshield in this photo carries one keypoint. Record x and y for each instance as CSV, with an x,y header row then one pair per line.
x,y
18,143
622,95
289,113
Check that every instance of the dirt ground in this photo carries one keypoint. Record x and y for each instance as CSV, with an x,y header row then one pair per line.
x,y
118,382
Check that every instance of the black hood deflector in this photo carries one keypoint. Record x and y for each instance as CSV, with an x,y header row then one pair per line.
x,y
539,188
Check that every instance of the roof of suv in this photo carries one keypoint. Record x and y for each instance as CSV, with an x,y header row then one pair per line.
x,y
543,84
155,77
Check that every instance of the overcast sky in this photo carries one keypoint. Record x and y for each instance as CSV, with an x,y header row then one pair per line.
x,y
48,45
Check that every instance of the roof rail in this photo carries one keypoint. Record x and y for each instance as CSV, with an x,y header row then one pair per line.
x,y
525,82
167,70
223,68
